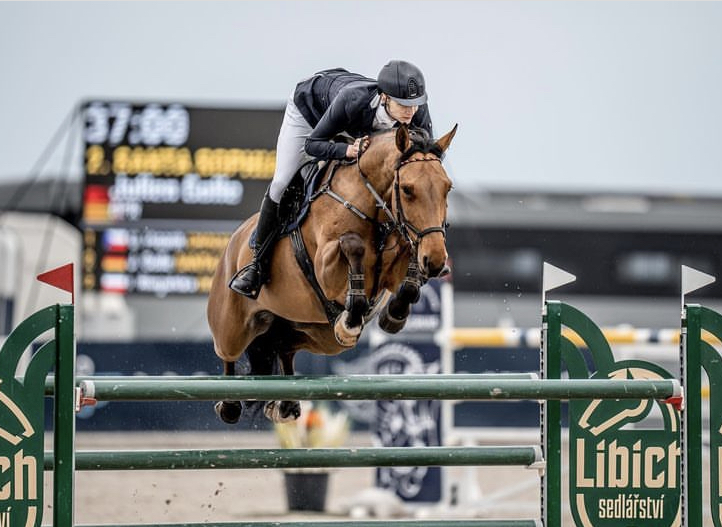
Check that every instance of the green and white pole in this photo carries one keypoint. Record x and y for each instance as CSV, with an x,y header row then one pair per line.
x,y
550,411
691,372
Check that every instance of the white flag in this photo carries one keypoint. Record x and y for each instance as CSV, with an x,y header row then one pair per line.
x,y
692,279
553,277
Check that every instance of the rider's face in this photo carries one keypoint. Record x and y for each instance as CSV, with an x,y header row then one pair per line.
x,y
402,114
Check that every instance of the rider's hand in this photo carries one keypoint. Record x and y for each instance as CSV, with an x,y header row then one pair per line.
x,y
353,150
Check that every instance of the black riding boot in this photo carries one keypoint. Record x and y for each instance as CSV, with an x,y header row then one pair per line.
x,y
249,280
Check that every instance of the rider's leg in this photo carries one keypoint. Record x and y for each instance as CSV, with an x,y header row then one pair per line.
x,y
248,281
289,156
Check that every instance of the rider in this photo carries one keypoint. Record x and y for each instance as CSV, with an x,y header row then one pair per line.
x,y
327,104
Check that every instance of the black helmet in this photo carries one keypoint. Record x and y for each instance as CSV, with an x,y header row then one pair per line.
x,y
403,82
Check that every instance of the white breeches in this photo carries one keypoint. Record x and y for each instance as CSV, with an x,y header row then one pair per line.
x,y
290,153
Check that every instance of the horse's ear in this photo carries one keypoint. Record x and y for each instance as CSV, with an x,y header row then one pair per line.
x,y
445,141
403,141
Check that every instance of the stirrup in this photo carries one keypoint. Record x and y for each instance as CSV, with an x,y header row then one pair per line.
x,y
251,285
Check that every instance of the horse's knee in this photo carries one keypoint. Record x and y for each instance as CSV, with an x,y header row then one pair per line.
x,y
352,246
409,293
392,318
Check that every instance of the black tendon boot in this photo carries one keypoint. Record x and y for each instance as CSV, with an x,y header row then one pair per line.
x,y
249,280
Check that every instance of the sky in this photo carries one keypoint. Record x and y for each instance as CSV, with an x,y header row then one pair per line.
x,y
561,96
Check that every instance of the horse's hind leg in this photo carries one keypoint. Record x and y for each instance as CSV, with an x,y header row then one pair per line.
x,y
393,317
348,326
283,411
229,411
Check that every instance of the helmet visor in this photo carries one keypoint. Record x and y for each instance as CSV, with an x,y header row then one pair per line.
x,y
416,101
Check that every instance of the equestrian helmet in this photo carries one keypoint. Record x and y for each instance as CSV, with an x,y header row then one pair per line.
x,y
403,82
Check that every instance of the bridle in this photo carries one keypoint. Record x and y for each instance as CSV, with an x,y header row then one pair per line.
x,y
404,226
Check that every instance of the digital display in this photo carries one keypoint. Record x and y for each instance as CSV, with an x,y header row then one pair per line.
x,y
165,185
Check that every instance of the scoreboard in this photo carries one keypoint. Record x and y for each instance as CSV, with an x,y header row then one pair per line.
x,y
165,185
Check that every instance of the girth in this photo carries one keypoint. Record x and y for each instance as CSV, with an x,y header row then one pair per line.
x,y
332,308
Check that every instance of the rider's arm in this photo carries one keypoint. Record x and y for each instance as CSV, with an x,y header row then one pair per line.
x,y
336,119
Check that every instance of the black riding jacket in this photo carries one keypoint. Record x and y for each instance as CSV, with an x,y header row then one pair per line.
x,y
336,101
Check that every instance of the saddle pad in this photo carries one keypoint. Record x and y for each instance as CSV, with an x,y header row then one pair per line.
x,y
296,200
310,174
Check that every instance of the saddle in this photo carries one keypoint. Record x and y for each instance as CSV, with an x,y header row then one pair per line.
x,y
296,200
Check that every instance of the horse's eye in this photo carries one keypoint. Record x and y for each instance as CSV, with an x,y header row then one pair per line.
x,y
407,190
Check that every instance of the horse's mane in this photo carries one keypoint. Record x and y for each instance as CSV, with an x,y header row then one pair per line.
x,y
421,141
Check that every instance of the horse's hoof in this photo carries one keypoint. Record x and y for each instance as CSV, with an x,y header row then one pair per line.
x,y
390,324
282,411
228,411
345,335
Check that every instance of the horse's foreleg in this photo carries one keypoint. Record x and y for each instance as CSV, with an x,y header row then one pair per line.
x,y
354,250
350,323
393,317
229,411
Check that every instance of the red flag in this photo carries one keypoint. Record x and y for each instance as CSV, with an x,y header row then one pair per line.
x,y
61,277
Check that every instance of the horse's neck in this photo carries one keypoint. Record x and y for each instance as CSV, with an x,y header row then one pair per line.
x,y
380,173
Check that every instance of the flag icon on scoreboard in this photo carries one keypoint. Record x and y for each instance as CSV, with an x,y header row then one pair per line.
x,y
95,204
114,283
116,240
113,263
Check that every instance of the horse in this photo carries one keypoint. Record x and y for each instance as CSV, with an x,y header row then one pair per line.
x,y
375,231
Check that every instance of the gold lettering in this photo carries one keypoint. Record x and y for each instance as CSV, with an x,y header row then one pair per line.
x,y
88,281
204,283
121,155
255,163
637,464
207,240
582,481
95,161
195,262
166,161
5,489
673,453
89,237
651,456
618,461
28,462
600,464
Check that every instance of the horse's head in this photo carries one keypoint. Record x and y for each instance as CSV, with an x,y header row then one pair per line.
x,y
419,196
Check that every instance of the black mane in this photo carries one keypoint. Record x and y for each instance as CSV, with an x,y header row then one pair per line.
x,y
422,142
